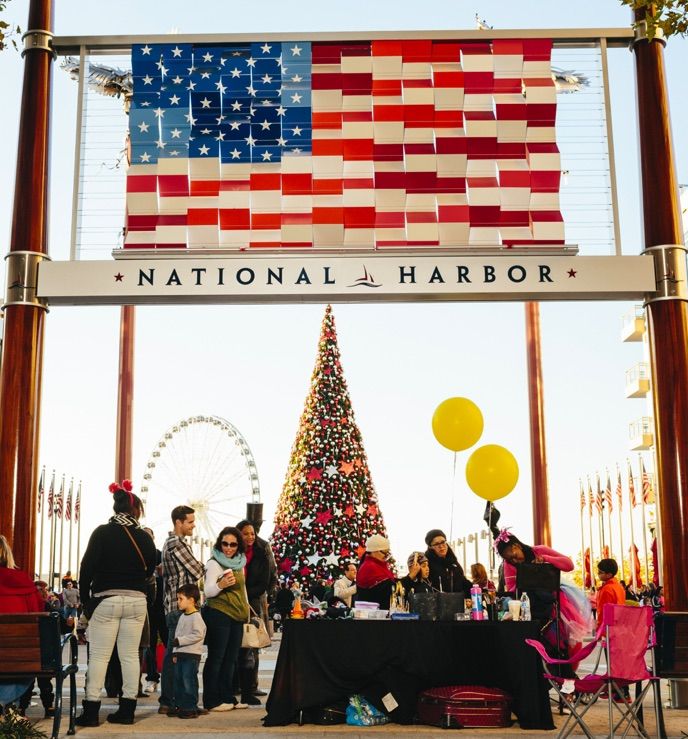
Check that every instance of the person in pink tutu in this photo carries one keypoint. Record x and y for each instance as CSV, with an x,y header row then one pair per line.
x,y
575,618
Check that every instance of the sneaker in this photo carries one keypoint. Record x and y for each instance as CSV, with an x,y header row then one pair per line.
x,y
239,706
151,686
222,708
251,700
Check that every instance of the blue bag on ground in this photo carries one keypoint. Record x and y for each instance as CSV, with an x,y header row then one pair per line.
x,y
360,712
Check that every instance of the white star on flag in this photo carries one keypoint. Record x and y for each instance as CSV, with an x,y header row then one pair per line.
x,y
177,80
145,157
296,98
220,87
176,133
265,48
174,100
265,126
176,51
281,111
251,62
297,78
283,142
235,72
234,125
207,57
146,50
236,154
250,140
266,78
159,112
143,127
203,150
147,80
236,105
267,156
251,90
205,103
296,50
296,131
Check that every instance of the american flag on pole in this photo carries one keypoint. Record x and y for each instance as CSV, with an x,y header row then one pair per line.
x,y
51,496
608,494
631,488
599,502
582,495
68,505
59,500
648,491
357,144
77,504
619,489
591,498
41,489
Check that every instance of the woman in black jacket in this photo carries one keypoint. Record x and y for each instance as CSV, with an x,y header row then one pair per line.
x,y
113,581
446,574
260,577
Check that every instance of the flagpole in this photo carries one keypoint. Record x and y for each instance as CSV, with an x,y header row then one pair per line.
x,y
618,502
592,553
62,503
600,516
582,495
630,513
78,530
51,553
642,508
42,503
608,498
71,527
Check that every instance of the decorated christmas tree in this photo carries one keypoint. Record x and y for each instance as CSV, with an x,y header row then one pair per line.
x,y
328,506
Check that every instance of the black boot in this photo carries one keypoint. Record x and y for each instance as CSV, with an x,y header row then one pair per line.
x,y
89,714
125,713
246,680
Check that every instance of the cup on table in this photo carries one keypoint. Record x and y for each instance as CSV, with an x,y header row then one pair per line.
x,y
515,609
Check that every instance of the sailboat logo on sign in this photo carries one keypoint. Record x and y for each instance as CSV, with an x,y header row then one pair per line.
x,y
367,280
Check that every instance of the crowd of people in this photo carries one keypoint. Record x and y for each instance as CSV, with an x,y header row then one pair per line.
x,y
130,596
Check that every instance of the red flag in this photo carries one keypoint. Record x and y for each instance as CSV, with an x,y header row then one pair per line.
x,y
648,492
77,504
608,494
635,564
631,487
51,497
619,489
599,503
68,506
587,578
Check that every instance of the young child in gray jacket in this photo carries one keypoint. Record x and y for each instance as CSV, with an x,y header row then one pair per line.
x,y
187,651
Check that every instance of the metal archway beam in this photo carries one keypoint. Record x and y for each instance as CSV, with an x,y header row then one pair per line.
x,y
360,277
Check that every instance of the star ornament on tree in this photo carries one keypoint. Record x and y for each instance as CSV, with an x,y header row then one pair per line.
x,y
323,517
346,468
315,473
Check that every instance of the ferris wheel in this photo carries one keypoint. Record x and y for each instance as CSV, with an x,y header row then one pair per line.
x,y
203,462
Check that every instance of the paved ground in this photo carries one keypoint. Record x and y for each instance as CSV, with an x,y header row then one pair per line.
x,y
247,723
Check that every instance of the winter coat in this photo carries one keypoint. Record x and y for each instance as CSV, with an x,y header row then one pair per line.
x,y
18,594
446,574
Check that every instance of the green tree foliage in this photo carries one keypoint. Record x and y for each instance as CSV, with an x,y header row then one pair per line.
x,y
669,15
8,31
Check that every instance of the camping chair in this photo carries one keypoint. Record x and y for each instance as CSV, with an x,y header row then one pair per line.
x,y
625,635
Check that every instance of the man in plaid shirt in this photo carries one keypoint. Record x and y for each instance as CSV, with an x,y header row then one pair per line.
x,y
179,567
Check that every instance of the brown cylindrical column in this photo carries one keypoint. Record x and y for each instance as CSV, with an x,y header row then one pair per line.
x,y
667,323
125,394
542,533
20,373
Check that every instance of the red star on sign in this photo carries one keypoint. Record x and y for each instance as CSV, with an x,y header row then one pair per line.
x,y
346,467
572,273
323,517
119,277
315,473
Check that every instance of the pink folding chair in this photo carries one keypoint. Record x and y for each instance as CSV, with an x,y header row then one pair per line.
x,y
625,635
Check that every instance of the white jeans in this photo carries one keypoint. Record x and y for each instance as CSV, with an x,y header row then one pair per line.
x,y
117,620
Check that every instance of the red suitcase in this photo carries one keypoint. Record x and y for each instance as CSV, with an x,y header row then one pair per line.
x,y
464,706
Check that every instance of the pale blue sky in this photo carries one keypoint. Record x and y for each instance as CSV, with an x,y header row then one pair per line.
x,y
252,365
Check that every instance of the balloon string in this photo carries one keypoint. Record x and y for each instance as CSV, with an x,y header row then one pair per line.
x,y
453,496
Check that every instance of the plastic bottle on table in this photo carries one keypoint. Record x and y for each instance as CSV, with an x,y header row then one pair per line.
x,y
476,603
525,607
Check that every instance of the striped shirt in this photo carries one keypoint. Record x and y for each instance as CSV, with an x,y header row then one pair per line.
x,y
179,567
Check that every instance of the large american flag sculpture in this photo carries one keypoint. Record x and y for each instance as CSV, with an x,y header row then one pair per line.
x,y
343,145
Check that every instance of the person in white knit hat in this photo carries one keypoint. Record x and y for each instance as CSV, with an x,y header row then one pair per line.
x,y
375,579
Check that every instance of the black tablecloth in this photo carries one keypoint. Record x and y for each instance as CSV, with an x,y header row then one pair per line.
x,y
320,662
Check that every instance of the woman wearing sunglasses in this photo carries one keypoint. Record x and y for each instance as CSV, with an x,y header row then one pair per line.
x,y
225,613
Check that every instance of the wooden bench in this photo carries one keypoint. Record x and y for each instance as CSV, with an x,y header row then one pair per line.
x,y
31,646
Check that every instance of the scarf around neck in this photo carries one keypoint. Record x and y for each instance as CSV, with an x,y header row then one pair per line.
x,y
124,519
237,562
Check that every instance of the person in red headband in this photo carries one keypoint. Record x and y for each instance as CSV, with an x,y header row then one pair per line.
x,y
113,580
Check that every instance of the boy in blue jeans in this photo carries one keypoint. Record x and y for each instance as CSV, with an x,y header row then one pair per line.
x,y
188,648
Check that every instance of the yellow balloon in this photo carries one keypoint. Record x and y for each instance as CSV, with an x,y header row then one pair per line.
x,y
492,472
457,423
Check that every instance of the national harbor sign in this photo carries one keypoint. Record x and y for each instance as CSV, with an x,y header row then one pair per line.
x,y
240,277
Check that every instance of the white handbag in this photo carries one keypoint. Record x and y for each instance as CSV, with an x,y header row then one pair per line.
x,y
255,635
